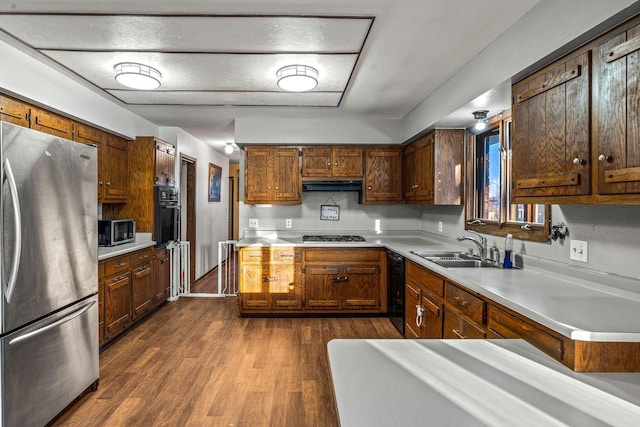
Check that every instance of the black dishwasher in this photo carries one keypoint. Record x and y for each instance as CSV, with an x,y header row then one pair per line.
x,y
395,285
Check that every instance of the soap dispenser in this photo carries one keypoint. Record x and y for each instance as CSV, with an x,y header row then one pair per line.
x,y
508,248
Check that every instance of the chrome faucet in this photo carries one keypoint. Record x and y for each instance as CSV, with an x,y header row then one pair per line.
x,y
480,241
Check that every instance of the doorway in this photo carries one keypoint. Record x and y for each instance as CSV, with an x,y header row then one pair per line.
x,y
188,175
234,201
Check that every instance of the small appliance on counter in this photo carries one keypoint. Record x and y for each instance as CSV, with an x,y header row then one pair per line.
x,y
112,232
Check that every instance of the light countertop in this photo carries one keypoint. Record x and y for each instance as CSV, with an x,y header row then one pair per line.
x,y
577,303
472,383
143,240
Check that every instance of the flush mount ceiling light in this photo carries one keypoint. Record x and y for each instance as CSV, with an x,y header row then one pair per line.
x,y
137,76
297,78
229,148
481,119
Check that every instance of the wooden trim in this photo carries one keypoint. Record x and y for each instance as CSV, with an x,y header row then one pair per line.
x,y
549,84
622,175
549,181
191,185
623,49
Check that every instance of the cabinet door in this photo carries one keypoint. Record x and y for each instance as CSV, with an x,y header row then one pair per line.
x,y
455,327
347,162
117,305
383,178
164,163
316,162
259,175
13,111
142,289
322,290
432,315
101,304
287,185
51,123
448,166
551,137
285,287
360,287
88,135
254,286
162,276
424,177
409,172
618,155
412,311
116,170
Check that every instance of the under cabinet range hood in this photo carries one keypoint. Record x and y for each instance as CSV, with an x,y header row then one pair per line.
x,y
332,186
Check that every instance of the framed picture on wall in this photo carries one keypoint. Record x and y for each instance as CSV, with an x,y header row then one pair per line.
x,y
215,175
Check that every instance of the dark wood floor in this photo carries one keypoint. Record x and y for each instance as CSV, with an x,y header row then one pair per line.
x,y
196,363
208,284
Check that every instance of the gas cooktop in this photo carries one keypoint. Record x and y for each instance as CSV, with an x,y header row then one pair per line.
x,y
332,238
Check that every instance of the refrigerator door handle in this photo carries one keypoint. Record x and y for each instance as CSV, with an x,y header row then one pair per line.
x,y
15,263
65,319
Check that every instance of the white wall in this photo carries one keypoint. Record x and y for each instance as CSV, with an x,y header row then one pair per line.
x,y
353,216
211,217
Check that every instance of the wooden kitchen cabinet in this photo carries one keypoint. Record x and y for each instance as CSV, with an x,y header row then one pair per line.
x,y
551,134
14,111
51,123
464,313
332,162
142,287
270,279
117,303
272,175
344,280
617,158
101,303
165,171
162,276
433,168
383,176
423,303
116,170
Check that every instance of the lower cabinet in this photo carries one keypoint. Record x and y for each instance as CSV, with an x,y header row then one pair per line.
x,y
464,313
312,280
162,276
126,291
423,303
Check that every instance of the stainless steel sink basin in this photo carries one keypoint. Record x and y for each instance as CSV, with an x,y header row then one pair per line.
x,y
463,263
454,259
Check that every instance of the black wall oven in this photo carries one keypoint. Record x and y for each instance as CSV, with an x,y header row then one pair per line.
x,y
166,215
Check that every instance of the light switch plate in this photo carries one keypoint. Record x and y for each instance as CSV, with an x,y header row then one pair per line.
x,y
579,250
288,223
440,226
253,222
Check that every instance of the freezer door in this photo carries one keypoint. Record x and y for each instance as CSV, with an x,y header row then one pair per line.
x,y
48,364
49,218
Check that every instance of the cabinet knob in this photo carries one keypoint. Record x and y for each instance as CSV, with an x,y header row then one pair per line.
x,y
335,164
369,187
108,182
276,188
99,182
603,157
577,161
269,188
329,164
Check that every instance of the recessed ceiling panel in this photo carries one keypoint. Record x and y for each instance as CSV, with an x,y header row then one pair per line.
x,y
189,33
231,72
308,99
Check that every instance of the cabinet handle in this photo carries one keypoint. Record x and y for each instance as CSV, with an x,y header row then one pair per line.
x,y
459,335
339,279
120,264
577,161
460,301
271,278
603,157
419,313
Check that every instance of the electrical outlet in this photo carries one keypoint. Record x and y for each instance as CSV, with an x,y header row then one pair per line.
x,y
440,226
288,223
253,222
578,250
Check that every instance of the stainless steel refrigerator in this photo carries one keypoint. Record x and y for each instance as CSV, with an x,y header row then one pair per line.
x,y
49,273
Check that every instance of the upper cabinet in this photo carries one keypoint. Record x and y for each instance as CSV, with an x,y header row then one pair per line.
x,y
332,162
383,177
433,168
551,137
618,118
165,155
13,111
575,125
272,175
51,123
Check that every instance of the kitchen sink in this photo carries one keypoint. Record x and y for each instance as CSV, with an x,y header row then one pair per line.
x,y
454,259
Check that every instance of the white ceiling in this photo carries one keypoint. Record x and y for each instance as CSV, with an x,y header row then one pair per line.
x,y
218,59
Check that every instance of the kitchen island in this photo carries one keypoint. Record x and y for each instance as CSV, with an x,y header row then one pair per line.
x,y
472,382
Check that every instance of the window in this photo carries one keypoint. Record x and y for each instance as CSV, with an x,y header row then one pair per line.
x,y
488,207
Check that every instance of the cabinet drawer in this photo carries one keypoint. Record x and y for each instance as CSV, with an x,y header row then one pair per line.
x,y
283,255
262,255
465,303
425,278
505,325
455,327
117,265
142,257
342,255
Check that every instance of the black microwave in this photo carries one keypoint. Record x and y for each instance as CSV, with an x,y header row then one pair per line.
x,y
112,232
